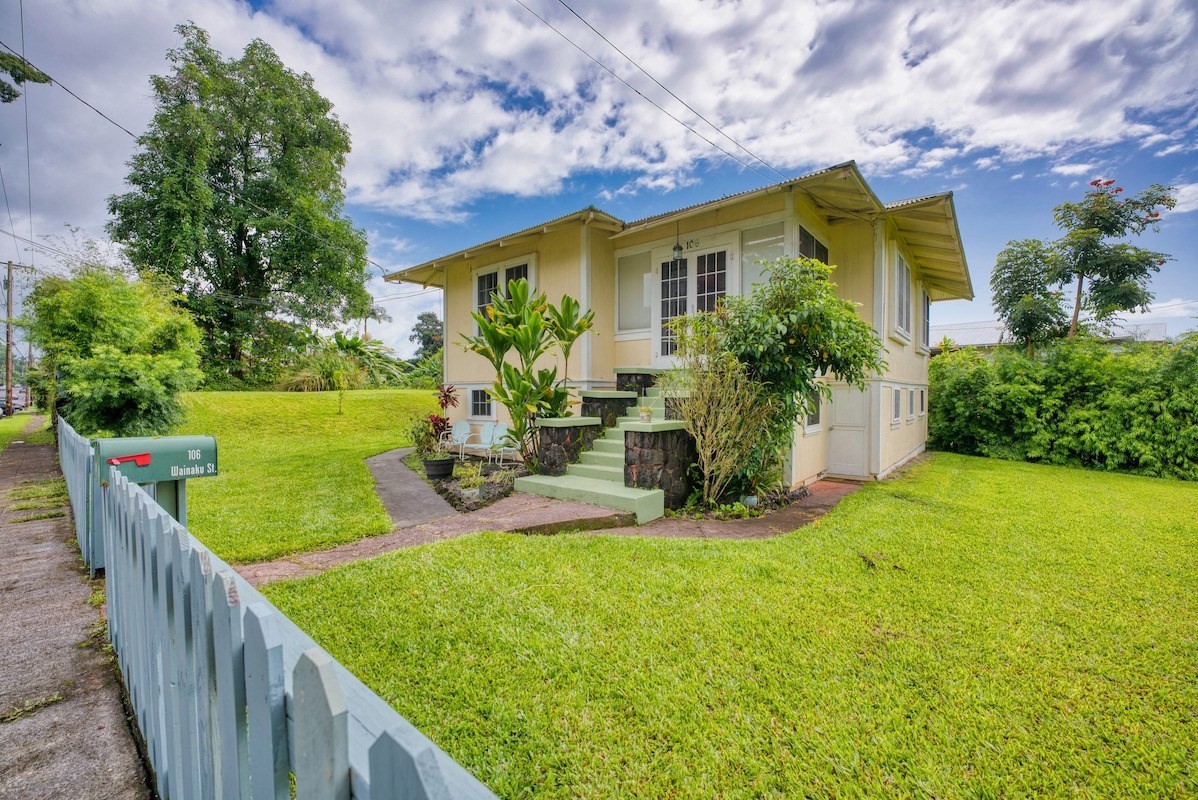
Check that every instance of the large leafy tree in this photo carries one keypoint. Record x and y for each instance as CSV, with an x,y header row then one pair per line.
x,y
237,198
1024,298
427,333
1110,276
20,71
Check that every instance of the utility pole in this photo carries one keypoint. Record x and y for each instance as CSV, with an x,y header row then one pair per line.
x,y
28,372
8,346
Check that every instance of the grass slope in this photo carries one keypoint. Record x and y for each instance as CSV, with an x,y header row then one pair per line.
x,y
1024,631
293,476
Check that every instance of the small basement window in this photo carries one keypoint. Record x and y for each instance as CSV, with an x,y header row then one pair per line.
x,y
480,403
896,395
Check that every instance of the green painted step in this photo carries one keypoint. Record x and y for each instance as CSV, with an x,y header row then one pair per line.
x,y
647,504
603,473
601,459
610,446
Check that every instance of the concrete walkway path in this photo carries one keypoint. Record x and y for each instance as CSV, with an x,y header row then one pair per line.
x,y
75,742
422,516
822,496
407,498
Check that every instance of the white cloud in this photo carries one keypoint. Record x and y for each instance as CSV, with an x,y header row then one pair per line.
x,y
457,100
1072,169
1187,198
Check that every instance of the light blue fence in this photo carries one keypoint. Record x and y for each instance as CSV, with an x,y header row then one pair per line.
x,y
230,696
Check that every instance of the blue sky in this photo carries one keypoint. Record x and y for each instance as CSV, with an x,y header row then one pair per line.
x,y
470,120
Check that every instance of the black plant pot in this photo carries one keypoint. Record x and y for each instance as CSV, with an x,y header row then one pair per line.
x,y
438,468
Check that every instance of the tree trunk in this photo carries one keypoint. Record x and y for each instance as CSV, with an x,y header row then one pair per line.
x,y
1029,347
1077,306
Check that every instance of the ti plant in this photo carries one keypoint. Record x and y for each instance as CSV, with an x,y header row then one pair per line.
x,y
525,324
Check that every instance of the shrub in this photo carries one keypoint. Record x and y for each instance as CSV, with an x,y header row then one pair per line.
x,y
117,352
713,392
1079,402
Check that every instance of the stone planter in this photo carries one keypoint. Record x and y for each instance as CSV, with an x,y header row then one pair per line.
x,y
659,455
636,379
608,406
562,441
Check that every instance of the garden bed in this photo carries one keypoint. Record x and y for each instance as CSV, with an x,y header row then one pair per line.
x,y
475,483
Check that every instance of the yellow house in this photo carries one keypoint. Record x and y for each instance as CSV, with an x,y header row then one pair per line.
x,y
893,260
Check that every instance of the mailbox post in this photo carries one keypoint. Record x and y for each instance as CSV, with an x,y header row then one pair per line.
x,y
162,464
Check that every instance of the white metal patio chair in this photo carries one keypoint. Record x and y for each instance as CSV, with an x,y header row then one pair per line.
x,y
500,444
458,436
482,438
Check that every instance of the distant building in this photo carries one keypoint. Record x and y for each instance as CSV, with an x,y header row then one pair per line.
x,y
991,334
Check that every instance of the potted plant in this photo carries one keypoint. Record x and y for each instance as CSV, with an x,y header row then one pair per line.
x,y
438,462
646,413
470,482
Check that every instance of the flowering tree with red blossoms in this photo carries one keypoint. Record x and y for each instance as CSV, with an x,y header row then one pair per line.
x,y
1117,272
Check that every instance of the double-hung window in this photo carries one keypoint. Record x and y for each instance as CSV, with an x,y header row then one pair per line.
x,y
925,335
810,247
489,280
902,297
480,403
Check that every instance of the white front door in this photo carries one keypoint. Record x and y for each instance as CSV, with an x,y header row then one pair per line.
x,y
694,282
847,440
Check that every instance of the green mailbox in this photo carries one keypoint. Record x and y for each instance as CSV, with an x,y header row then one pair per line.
x,y
163,463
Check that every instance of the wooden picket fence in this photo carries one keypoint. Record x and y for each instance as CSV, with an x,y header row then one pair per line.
x,y
232,699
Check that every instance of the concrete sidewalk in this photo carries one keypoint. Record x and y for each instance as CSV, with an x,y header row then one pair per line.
x,y
75,742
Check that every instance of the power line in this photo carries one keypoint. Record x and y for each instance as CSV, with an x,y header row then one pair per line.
x,y
25,103
208,180
613,73
668,91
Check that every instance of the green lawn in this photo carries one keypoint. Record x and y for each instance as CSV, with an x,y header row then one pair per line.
x,y
13,428
293,476
1026,631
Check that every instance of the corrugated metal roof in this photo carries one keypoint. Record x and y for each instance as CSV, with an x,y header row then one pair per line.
x,y
735,195
591,209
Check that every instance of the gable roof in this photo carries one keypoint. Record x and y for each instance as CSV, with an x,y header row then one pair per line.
x,y
432,273
926,226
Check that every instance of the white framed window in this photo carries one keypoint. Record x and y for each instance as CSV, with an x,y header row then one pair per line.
x,y
902,298
925,333
634,292
896,397
480,404
761,243
923,402
910,405
813,422
810,247
495,277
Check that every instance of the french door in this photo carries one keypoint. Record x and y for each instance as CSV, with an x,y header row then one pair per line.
x,y
694,282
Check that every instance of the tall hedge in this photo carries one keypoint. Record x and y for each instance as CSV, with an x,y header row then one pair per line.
x,y
1078,402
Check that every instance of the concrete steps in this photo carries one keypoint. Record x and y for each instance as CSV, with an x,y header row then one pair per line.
x,y
598,477
646,504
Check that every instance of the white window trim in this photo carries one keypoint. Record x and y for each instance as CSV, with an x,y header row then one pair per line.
x,y
925,325
633,334
910,406
923,402
470,415
817,428
896,399
897,332
500,266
